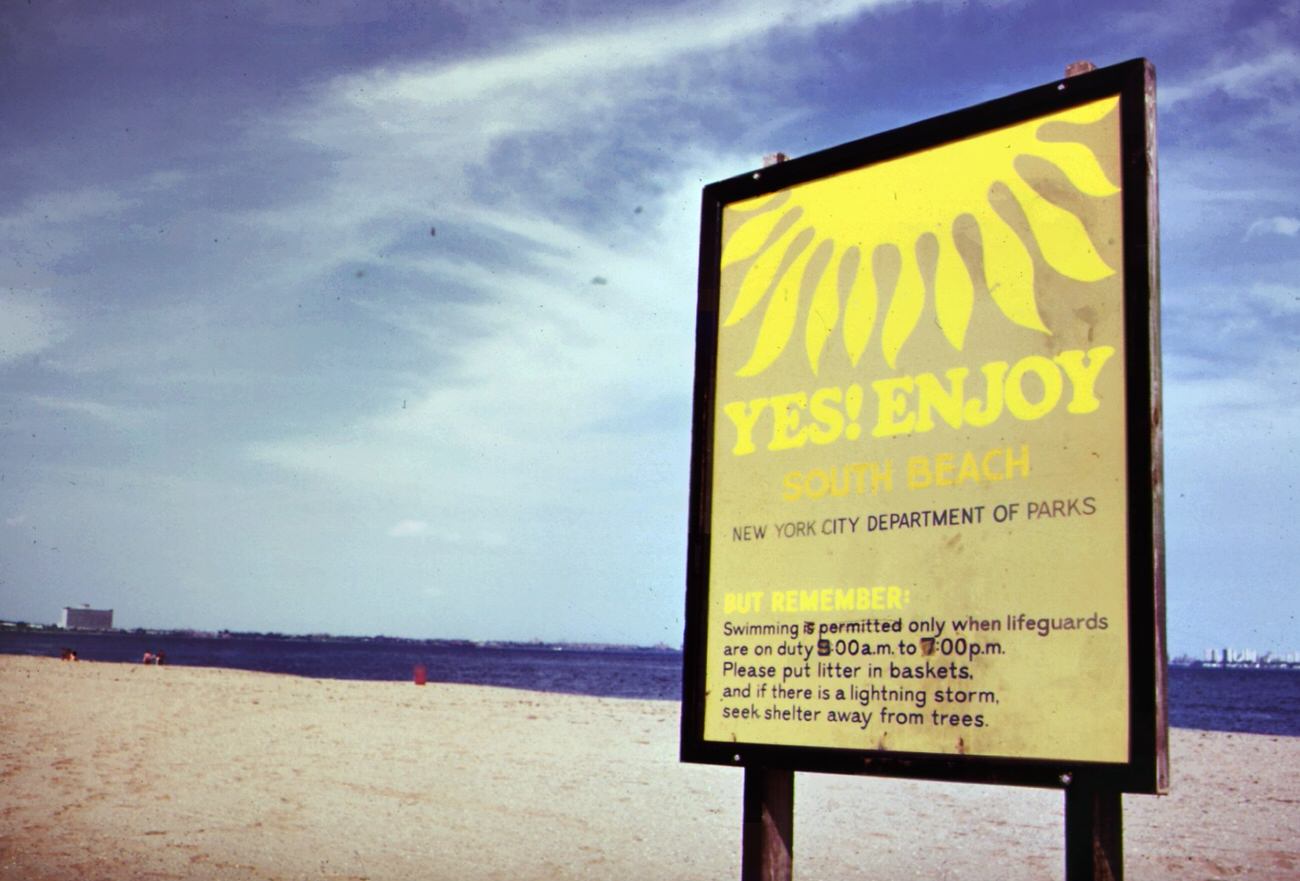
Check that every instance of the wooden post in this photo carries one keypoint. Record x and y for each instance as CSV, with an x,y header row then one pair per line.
x,y
767,837
1094,834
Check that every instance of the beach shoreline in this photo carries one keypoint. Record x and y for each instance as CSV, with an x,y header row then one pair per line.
x,y
131,771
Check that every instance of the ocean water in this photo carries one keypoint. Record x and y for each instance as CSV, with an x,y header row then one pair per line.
x,y
1262,701
607,673
1251,701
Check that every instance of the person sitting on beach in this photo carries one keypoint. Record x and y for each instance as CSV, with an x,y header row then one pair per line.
x,y
148,658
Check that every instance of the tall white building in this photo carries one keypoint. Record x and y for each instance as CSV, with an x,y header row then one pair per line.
x,y
86,618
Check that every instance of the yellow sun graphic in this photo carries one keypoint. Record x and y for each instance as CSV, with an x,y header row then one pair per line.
x,y
933,226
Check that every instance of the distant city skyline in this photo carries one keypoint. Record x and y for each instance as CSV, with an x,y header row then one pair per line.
x,y
1210,654
1232,655
377,318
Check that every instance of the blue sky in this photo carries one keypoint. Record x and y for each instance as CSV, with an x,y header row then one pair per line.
x,y
371,317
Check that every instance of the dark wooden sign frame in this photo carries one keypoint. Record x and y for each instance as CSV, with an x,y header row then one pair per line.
x,y
1147,768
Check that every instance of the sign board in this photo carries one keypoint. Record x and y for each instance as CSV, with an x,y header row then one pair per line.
x,y
926,525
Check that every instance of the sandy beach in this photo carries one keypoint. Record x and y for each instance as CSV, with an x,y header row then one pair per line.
x,y
113,771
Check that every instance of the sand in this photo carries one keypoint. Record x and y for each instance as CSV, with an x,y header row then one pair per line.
x,y
113,771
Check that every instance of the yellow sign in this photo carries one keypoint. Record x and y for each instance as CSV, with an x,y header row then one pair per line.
x,y
918,498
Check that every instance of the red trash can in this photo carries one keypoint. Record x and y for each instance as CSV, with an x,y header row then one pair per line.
x,y
421,674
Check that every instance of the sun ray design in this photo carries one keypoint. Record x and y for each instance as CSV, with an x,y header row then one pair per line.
x,y
873,246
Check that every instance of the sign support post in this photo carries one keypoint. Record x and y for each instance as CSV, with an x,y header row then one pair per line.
x,y
767,839
1094,834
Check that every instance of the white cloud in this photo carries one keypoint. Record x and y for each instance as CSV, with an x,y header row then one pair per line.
x,y
539,357
118,417
1258,76
412,528
51,225
415,141
1233,366
30,322
35,237
321,14
549,448
1279,225
409,529
1277,299
1234,324
533,352
529,446
655,40
1162,21
64,206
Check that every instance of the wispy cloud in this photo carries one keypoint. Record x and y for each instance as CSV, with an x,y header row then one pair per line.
x,y
1270,76
531,423
409,529
608,48
1158,21
1231,346
61,207
1278,299
107,414
53,225
30,322
1279,225
502,294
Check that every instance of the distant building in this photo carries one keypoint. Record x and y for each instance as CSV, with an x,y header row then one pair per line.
x,y
86,618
